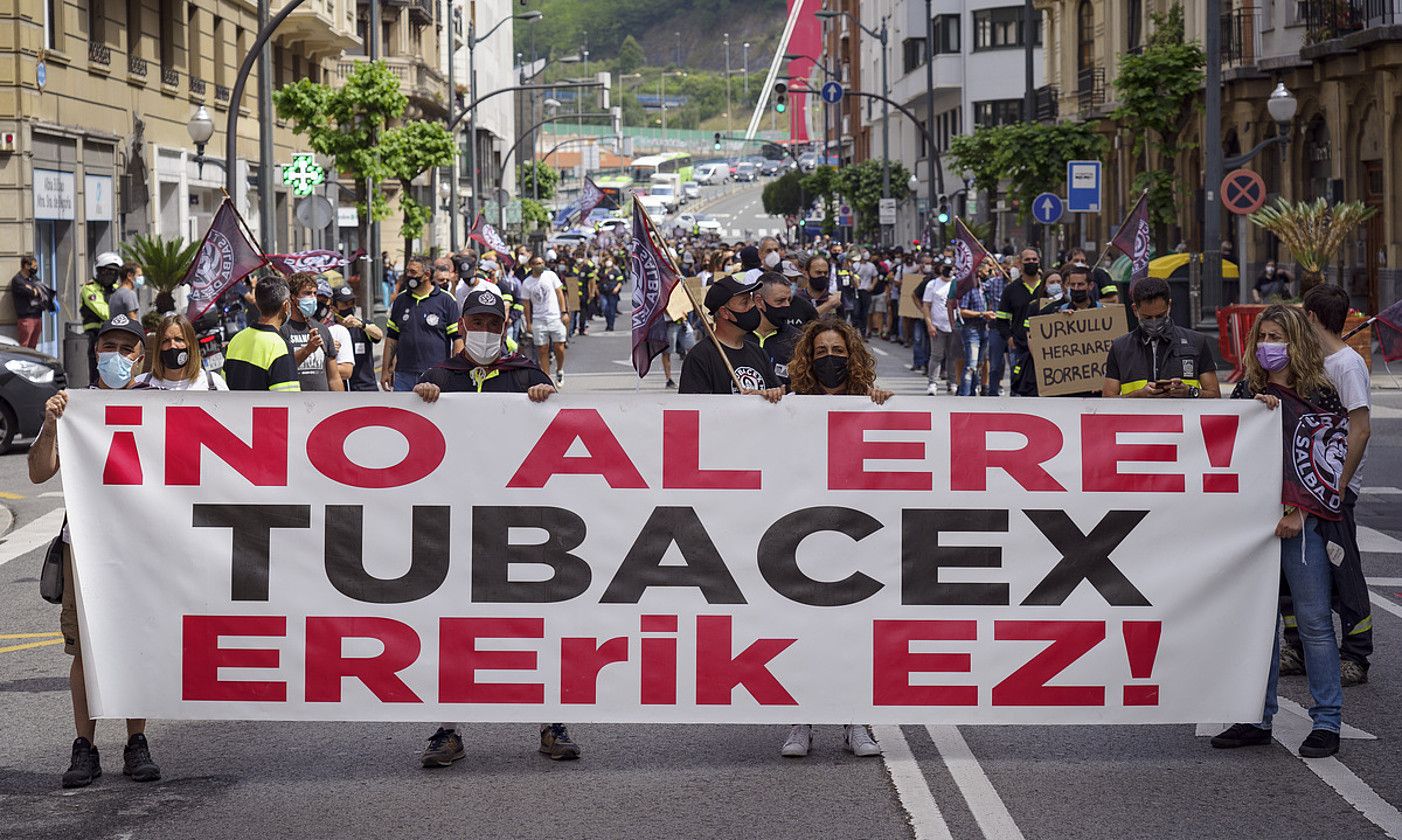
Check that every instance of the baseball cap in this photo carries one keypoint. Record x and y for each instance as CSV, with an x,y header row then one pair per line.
x,y
343,295
123,324
790,269
722,290
323,287
488,265
483,302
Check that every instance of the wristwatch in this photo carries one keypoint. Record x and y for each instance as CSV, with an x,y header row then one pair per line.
x,y
1194,391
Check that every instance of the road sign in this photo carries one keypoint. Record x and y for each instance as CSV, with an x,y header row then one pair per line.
x,y
1082,186
1243,191
886,209
832,93
315,212
1047,208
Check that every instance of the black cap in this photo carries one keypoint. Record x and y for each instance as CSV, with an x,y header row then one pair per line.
x,y
484,302
727,287
123,324
343,294
749,257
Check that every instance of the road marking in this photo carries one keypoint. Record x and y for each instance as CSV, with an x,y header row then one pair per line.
x,y
912,791
27,646
1382,491
1370,539
1346,732
987,806
52,494
878,351
12,496
1385,604
29,635
31,536
1381,581
1290,730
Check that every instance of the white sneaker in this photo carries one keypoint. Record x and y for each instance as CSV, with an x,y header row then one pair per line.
x,y
933,389
858,741
799,740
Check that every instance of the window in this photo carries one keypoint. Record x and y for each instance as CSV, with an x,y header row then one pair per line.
x,y
947,125
221,57
946,34
192,41
168,33
1085,36
997,112
1134,25
134,28
53,23
1001,28
912,53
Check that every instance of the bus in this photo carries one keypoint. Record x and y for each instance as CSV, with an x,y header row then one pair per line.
x,y
616,188
672,163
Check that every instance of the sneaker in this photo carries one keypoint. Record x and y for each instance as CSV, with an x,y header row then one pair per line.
x,y
1321,743
857,740
1242,735
85,765
560,377
934,389
799,740
1352,673
136,760
1291,665
671,385
555,742
443,749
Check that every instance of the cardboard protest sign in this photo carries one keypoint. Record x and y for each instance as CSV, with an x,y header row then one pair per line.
x,y
1069,348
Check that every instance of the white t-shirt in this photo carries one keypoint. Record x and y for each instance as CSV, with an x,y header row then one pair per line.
x,y
346,355
464,288
203,382
540,291
937,296
1349,374
866,276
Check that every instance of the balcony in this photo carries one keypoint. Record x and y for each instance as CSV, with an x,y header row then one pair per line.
x,y
99,53
321,28
1046,101
426,88
1241,37
421,10
136,65
1356,22
170,77
1090,90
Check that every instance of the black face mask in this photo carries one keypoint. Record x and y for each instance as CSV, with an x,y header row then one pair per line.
x,y
1080,295
747,321
1031,269
412,281
830,371
321,311
820,283
174,358
777,315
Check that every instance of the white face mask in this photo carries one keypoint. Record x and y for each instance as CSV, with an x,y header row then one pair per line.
x,y
482,347
771,259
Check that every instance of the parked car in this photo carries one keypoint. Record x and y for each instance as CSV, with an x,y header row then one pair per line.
x,y
745,172
691,190
27,379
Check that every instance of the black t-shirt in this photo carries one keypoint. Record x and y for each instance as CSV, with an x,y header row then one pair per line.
x,y
703,371
363,374
512,375
311,373
779,346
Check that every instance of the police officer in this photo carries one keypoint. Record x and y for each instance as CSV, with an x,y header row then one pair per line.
x,y
1158,358
363,337
93,302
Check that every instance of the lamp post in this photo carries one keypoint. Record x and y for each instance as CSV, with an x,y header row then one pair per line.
x,y
827,74
662,97
729,123
1282,106
882,36
472,41
745,64
200,128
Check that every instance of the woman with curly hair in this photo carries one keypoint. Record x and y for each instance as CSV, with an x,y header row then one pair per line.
x,y
831,358
1285,370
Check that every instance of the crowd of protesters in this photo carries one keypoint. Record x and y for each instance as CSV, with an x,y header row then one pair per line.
x,y
772,321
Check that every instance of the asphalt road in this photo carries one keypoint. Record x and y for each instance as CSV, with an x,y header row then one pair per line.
x,y
239,780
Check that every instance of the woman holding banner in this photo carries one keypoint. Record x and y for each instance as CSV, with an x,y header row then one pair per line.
x,y
1285,370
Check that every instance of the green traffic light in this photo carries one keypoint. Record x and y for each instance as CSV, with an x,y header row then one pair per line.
x,y
781,106
944,218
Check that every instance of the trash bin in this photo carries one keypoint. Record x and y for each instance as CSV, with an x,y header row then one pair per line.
x,y
75,354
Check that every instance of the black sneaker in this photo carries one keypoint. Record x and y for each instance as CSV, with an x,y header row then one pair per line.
x,y
671,385
85,765
1242,735
1321,743
555,742
443,749
136,760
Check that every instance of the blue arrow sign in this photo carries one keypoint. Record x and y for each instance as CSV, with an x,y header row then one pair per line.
x,y
1047,208
1083,186
832,93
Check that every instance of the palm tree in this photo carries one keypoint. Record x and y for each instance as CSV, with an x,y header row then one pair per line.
x,y
1313,231
164,262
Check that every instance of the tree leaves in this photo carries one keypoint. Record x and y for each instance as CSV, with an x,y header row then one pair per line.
x,y
1031,157
1313,231
163,261
784,195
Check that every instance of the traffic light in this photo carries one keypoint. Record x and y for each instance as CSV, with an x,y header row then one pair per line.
x,y
943,215
781,97
717,143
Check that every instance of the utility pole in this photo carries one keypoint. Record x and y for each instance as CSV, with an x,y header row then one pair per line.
x,y
1029,92
930,196
473,206
886,130
746,63
371,279
1210,294
452,115
266,230
728,120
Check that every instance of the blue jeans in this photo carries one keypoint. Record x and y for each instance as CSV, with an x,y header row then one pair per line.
x,y
997,351
1309,575
405,380
610,310
975,345
922,345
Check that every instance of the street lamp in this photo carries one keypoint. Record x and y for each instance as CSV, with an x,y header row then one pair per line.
x,y
882,37
728,125
746,65
1282,106
200,128
913,184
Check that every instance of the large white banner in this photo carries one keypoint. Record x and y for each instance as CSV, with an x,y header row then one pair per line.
x,y
673,559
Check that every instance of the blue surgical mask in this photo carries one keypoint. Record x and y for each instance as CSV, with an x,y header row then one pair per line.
x,y
140,280
307,305
114,369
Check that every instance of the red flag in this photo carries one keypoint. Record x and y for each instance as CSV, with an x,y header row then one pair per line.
x,y
1133,237
589,198
969,254
653,278
226,256
488,236
1388,325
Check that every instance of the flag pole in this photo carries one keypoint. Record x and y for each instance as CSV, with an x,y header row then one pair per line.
x,y
1116,234
657,243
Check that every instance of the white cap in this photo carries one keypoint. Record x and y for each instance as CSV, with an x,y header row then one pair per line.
x,y
108,259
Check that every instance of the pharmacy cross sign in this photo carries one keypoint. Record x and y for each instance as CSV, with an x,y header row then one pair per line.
x,y
303,174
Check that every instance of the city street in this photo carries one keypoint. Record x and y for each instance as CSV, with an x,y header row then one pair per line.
x,y
236,780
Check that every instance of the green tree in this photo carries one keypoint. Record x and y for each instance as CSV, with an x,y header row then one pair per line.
x,y
534,214
630,56
822,184
784,195
163,261
536,178
1030,157
861,186
1159,93
357,126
